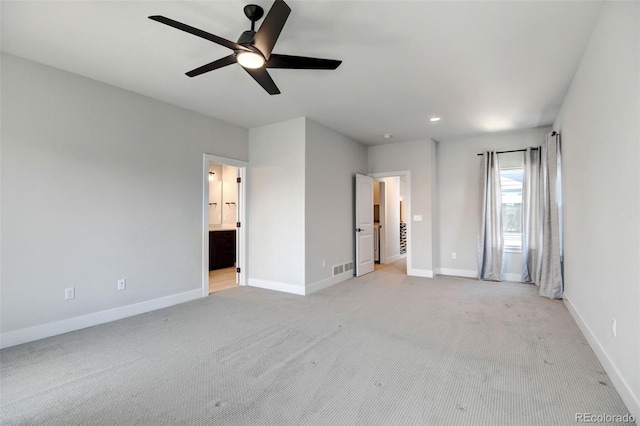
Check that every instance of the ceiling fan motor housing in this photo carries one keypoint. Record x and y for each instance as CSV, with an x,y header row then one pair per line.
x,y
246,38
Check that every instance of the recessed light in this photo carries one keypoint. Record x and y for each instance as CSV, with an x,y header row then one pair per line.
x,y
434,119
387,135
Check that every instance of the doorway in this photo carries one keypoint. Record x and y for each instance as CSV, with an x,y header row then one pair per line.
x,y
224,237
391,210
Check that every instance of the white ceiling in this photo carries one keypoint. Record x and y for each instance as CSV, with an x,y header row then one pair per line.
x,y
480,65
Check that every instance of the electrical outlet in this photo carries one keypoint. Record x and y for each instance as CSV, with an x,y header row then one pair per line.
x,y
122,284
69,293
613,327
324,263
417,218
454,255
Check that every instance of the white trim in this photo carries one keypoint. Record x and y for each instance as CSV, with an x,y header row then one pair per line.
x,y
226,161
29,334
319,285
425,273
516,278
382,230
241,234
273,285
395,258
624,390
467,273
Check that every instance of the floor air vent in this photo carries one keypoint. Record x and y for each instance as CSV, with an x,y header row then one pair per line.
x,y
338,269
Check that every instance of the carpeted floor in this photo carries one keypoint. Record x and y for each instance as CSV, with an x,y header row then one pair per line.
x,y
384,349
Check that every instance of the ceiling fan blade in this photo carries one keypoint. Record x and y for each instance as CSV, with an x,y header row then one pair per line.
x,y
227,60
196,32
301,62
264,79
271,27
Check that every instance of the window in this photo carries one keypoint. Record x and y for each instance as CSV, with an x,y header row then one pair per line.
x,y
511,184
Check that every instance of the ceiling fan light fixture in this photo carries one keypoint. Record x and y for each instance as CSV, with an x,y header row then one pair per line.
x,y
253,50
251,60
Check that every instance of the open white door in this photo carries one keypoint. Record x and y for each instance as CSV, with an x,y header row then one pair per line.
x,y
364,225
239,229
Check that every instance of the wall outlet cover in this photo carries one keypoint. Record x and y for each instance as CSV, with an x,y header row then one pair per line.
x,y
614,327
69,293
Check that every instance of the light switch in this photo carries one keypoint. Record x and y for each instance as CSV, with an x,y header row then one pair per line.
x,y
417,218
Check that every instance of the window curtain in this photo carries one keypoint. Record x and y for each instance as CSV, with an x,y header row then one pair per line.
x,y
542,218
550,272
531,215
490,240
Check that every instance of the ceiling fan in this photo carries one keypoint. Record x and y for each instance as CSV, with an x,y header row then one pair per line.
x,y
253,49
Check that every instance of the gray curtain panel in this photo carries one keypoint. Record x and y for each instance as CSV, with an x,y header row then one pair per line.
x,y
490,240
549,274
531,215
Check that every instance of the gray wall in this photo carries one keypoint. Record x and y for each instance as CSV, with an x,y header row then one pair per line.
x,y
599,123
301,204
332,160
418,158
458,189
98,184
276,206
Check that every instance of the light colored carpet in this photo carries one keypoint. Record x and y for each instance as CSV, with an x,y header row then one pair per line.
x,y
382,349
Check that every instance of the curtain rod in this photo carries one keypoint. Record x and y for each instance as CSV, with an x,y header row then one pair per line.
x,y
514,150
521,150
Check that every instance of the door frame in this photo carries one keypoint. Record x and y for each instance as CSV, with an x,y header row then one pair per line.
x,y
382,230
407,175
241,211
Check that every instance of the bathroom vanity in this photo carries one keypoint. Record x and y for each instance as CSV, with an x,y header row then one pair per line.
x,y
222,248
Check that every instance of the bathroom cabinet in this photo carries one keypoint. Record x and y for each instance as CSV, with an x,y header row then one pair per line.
x,y
222,248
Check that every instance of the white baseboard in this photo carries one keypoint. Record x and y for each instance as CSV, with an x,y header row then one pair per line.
x,y
467,273
425,273
317,286
630,399
273,285
395,258
516,278
37,332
